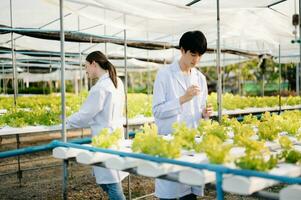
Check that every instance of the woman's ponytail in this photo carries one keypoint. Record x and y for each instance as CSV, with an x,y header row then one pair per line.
x,y
104,63
112,73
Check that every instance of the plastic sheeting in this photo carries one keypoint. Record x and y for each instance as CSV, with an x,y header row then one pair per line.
x,y
245,25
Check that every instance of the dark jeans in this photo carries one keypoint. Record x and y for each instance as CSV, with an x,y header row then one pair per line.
x,y
114,191
187,197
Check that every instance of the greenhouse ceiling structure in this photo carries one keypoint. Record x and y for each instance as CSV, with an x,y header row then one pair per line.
x,y
258,26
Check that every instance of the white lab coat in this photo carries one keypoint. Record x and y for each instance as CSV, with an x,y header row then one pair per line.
x,y
103,108
169,86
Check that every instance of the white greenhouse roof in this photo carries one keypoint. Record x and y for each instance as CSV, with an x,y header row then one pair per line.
x,y
257,26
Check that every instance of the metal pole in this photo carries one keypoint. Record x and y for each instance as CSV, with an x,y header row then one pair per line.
x,y
63,74
298,66
15,83
1,83
262,85
126,80
80,60
239,75
3,80
63,101
105,32
218,66
224,66
279,79
80,71
65,177
19,172
148,67
219,183
126,97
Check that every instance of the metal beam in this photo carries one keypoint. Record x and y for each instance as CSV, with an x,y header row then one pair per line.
x,y
275,3
193,2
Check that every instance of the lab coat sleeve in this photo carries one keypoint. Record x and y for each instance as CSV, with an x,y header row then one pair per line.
x,y
205,95
203,102
163,108
93,105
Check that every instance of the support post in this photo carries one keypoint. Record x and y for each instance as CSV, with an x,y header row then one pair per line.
x,y
219,184
15,78
279,64
126,97
63,100
19,172
65,179
218,66
298,66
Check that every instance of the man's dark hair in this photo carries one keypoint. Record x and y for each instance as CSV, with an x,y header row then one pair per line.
x,y
195,41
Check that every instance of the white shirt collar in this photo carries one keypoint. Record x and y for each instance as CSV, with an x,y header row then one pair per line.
x,y
104,76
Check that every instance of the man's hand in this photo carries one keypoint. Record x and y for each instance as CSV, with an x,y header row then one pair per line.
x,y
207,112
190,93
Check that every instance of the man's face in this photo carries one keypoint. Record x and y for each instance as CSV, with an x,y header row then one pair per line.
x,y
190,59
90,69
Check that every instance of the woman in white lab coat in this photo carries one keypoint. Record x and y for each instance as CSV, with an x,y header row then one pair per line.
x,y
180,93
103,108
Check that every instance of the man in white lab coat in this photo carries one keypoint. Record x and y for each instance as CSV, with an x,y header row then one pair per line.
x,y
103,108
180,93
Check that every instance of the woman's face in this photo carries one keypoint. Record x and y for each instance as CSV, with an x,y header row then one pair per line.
x,y
90,69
